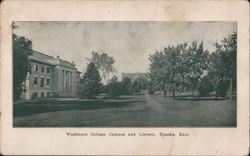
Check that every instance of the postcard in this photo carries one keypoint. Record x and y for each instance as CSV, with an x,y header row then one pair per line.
x,y
124,78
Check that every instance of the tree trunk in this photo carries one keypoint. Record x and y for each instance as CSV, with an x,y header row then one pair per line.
x,y
165,93
231,89
164,89
216,93
173,93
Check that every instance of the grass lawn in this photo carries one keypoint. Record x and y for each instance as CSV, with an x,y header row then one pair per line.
x,y
198,112
127,111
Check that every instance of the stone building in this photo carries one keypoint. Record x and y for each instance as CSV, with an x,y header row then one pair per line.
x,y
51,77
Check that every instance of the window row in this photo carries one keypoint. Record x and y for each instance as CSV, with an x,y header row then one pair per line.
x,y
42,69
41,81
43,95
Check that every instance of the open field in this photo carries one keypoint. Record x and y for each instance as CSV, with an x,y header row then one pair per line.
x,y
127,111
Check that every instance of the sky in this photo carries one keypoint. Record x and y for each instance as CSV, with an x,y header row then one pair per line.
x,y
130,43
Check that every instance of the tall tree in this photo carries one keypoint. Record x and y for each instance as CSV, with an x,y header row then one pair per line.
x,y
223,65
230,46
166,67
22,49
157,71
90,84
178,67
217,71
104,63
195,63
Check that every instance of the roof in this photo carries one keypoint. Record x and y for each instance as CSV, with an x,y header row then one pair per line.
x,y
43,58
133,76
66,64
50,60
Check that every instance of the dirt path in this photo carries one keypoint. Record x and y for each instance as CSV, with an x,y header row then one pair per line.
x,y
152,103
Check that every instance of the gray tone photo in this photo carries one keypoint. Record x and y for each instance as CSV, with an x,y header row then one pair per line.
x,y
124,74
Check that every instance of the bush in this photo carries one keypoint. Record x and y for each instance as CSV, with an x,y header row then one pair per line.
x,y
113,87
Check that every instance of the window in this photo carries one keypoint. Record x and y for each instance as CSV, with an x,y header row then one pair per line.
x,y
35,80
42,94
48,94
35,67
48,81
42,68
34,95
48,69
42,82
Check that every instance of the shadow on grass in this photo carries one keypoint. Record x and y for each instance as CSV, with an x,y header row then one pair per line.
x,y
201,99
24,109
195,98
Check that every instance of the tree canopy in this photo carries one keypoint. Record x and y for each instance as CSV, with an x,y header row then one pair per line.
x,y
90,84
222,66
191,67
178,66
104,63
22,49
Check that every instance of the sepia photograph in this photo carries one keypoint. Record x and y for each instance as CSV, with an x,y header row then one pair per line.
x,y
124,77
124,74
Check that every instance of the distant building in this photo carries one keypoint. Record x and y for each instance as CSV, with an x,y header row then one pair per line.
x,y
50,77
134,76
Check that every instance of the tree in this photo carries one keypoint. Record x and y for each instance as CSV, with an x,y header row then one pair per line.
x,y
113,87
153,85
104,63
126,86
139,84
22,49
195,64
222,66
90,84
136,86
166,67
205,86
157,72
217,72
230,47
179,67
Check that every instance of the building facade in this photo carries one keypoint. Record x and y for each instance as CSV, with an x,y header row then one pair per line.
x,y
50,77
